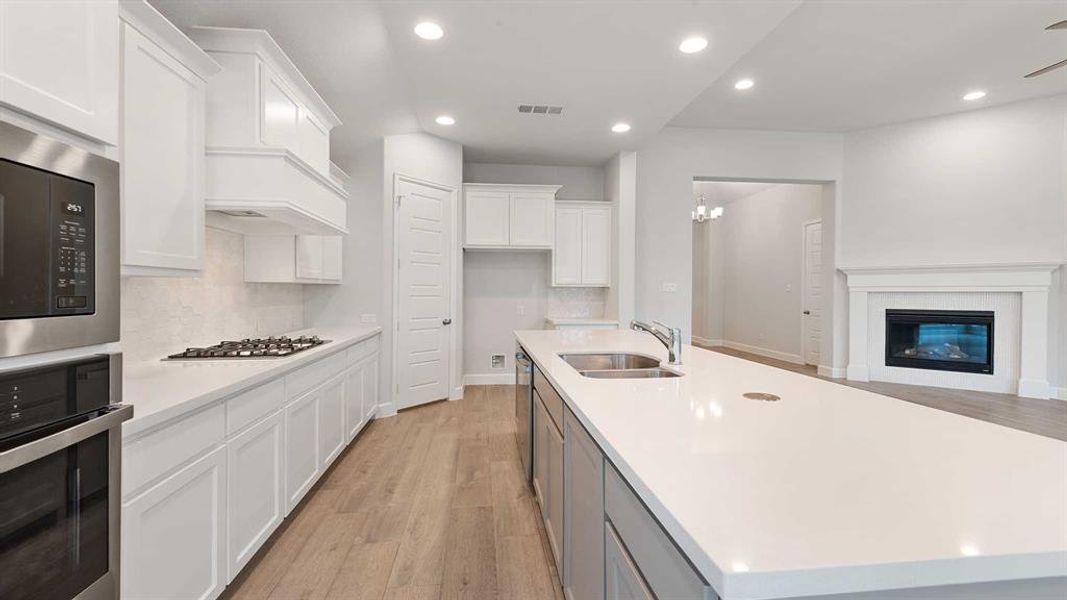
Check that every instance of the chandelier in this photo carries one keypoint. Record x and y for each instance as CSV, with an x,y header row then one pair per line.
x,y
702,213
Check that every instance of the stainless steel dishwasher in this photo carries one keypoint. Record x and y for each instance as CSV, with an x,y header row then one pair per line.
x,y
523,408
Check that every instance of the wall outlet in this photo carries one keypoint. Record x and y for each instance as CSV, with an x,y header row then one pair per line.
x,y
670,287
788,287
369,318
496,361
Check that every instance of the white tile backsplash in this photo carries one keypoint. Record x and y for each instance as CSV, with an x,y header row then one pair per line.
x,y
577,302
162,315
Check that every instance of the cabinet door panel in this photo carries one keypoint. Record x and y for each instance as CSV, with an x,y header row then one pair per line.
x,y
370,388
532,219
332,249
355,416
162,158
331,420
567,252
59,61
622,579
280,112
540,452
486,216
256,500
554,496
173,534
314,142
301,448
309,253
583,505
596,246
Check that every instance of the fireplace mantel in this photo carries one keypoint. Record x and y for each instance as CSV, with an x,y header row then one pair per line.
x,y
1031,280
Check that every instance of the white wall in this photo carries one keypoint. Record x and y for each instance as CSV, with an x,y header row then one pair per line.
x,y
747,271
164,315
500,285
368,249
666,167
985,186
620,188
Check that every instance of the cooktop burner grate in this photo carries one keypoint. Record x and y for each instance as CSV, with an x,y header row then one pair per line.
x,y
251,348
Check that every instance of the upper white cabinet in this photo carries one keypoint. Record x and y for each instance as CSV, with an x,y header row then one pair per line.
x,y
293,259
59,61
268,141
163,89
508,216
581,256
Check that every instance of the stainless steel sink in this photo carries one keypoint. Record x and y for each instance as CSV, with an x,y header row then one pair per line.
x,y
630,373
609,362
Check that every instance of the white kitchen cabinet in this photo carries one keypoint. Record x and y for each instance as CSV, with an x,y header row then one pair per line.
x,y
361,395
583,507
302,447
332,420
517,217
162,145
173,542
548,477
622,579
370,388
254,491
581,255
59,61
315,259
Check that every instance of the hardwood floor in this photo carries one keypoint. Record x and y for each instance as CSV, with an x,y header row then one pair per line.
x,y
429,504
1043,417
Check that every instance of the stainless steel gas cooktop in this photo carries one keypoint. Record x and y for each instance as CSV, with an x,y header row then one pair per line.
x,y
272,347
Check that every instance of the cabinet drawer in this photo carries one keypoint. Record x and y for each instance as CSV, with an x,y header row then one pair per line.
x,y
663,566
161,451
313,375
248,407
551,398
363,350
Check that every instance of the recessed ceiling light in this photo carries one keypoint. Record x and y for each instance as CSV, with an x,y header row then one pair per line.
x,y
445,120
693,45
975,95
744,84
429,30
620,127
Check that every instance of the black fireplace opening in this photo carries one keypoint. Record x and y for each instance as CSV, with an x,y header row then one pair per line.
x,y
943,340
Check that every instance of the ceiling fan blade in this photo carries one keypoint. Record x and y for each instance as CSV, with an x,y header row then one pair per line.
x,y
1062,63
1060,25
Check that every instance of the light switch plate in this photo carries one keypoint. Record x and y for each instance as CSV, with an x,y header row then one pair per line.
x,y
369,318
670,287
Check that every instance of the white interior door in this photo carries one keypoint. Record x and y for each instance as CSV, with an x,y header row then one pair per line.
x,y
812,291
423,319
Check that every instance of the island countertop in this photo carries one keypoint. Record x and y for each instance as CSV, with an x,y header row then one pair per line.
x,y
829,490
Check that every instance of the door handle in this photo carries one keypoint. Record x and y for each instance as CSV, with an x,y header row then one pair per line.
x,y
807,312
446,322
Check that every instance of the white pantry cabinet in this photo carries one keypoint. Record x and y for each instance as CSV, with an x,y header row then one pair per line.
x,y
162,145
293,259
173,535
207,489
518,217
59,62
581,256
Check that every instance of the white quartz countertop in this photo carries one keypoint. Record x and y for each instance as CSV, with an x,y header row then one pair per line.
x,y
163,390
829,490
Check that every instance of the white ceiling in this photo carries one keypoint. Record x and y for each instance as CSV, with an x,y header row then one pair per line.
x,y
842,66
819,66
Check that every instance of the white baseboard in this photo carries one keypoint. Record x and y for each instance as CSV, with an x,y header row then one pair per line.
x,y
775,354
457,394
858,373
489,379
1035,388
385,410
832,372
1059,393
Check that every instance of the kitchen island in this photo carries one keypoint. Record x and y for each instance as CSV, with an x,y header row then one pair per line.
x,y
829,490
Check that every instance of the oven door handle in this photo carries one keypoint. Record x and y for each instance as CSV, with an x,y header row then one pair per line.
x,y
27,453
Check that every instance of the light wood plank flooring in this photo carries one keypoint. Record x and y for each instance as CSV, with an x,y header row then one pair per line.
x,y
429,504
1043,417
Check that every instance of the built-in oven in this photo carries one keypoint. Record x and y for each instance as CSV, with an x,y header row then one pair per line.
x,y
524,409
59,244
60,470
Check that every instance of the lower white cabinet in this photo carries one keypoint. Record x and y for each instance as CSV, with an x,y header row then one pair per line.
x,y
370,388
332,437
255,498
293,259
302,466
622,580
361,396
173,542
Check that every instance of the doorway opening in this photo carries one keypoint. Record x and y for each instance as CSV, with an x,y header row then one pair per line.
x,y
758,272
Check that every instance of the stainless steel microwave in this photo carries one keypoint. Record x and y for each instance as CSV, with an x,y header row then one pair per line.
x,y
59,245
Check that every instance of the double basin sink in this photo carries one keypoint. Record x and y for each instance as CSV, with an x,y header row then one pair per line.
x,y
617,366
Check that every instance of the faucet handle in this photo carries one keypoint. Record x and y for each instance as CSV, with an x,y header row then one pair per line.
x,y
665,327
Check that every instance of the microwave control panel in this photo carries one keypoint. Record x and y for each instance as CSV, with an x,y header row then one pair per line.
x,y
73,243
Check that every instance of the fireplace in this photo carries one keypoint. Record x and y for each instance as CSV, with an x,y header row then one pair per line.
x,y
943,340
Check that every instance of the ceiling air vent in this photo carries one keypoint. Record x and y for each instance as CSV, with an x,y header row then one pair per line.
x,y
540,109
